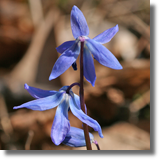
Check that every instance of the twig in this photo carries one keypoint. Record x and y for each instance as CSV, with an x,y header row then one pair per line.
x,y
36,12
140,102
25,71
4,117
29,140
122,11
142,44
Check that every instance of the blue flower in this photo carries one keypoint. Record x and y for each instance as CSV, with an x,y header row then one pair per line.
x,y
70,50
46,99
75,138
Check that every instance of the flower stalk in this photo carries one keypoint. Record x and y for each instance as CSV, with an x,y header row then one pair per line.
x,y
96,143
85,127
74,84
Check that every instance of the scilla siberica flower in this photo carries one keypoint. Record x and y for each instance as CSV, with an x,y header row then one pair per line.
x,y
46,99
70,50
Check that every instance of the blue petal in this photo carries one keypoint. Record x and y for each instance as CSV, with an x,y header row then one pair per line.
x,y
64,88
43,103
75,138
107,35
64,46
61,123
78,23
88,65
83,117
65,61
38,93
103,55
77,100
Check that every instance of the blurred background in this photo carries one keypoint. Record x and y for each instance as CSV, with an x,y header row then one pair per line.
x,y
30,30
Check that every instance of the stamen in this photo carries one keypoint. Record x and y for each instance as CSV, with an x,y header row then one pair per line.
x,y
82,39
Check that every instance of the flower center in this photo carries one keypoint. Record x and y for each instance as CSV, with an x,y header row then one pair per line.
x,y
82,38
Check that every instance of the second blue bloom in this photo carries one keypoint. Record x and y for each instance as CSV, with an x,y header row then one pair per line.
x,y
46,99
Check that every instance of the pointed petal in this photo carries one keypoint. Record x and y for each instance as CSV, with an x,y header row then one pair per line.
x,y
83,117
61,123
103,55
78,23
64,88
77,100
38,93
43,103
75,137
65,61
64,46
88,65
107,35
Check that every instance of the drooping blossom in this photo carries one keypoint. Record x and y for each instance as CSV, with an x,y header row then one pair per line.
x,y
48,99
